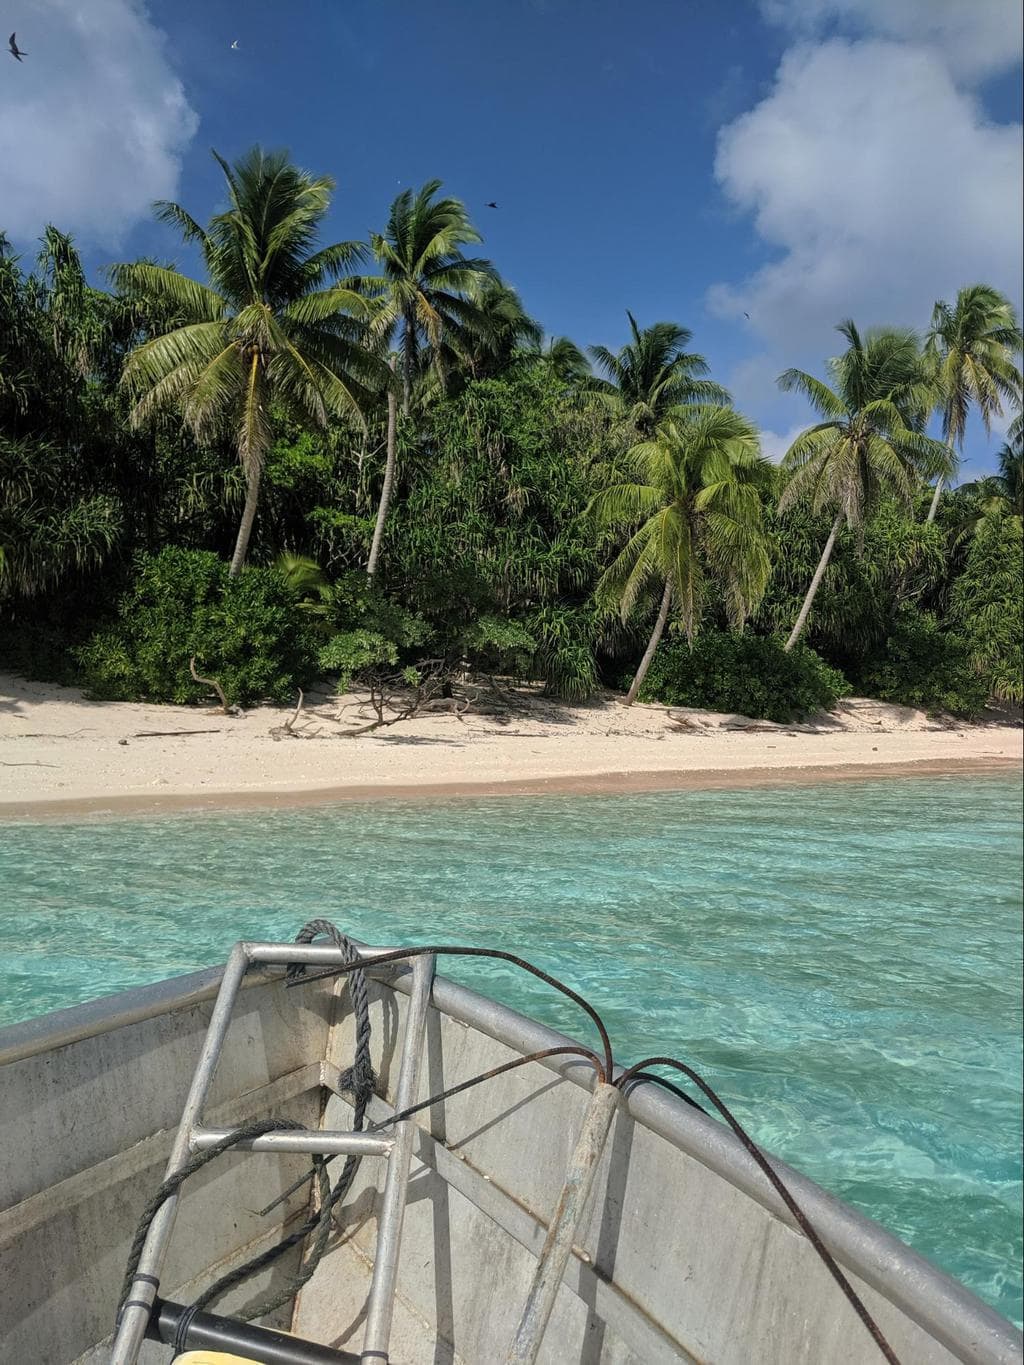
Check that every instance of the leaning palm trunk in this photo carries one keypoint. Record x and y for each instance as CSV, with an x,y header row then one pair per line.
x,y
252,497
252,449
652,645
819,574
935,501
389,477
938,488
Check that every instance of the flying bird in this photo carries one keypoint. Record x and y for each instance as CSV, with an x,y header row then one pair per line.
x,y
16,52
234,46
747,316
491,205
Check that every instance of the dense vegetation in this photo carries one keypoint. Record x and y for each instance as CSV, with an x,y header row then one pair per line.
x,y
350,459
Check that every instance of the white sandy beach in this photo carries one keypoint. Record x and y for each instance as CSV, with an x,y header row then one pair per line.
x,y
60,753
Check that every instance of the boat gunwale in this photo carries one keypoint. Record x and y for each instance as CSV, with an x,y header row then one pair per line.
x,y
950,1312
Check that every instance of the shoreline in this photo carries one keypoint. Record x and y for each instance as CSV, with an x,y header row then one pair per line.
x,y
63,755
124,805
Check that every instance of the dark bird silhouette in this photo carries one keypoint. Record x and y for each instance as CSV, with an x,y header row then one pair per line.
x,y
491,205
747,316
16,52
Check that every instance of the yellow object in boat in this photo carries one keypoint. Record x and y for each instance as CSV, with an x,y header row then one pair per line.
x,y
213,1358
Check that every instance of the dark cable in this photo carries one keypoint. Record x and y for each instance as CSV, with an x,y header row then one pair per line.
x,y
805,1224
450,950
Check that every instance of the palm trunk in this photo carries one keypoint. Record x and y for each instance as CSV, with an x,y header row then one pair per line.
x,y
652,644
252,497
408,363
252,450
940,482
819,574
389,476
935,502
938,488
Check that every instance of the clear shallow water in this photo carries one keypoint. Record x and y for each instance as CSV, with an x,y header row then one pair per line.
x,y
842,962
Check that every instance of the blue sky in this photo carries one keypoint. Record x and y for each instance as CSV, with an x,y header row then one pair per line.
x,y
797,160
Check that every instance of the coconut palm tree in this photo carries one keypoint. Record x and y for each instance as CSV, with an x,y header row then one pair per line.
x,y
696,506
426,298
1011,465
971,345
276,326
508,329
996,495
866,445
566,361
502,330
653,373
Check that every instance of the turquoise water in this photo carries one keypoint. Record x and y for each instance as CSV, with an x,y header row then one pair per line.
x,y
842,962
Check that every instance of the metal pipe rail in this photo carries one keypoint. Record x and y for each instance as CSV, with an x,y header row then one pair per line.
x,y
138,1312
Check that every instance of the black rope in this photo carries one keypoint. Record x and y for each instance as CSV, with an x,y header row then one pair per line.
x,y
456,950
173,1183
180,1343
359,1081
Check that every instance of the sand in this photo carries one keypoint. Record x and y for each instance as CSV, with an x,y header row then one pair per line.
x,y
61,754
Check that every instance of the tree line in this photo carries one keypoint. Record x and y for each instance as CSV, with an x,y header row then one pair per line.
x,y
352,457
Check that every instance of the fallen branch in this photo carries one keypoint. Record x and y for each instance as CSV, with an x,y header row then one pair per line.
x,y
289,725
212,682
684,722
288,728
152,734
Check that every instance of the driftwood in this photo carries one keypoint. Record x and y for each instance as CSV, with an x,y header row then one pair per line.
x,y
288,728
392,698
212,682
153,734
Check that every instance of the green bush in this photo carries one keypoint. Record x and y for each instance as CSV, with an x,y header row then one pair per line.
x,y
247,632
923,665
748,674
987,609
362,628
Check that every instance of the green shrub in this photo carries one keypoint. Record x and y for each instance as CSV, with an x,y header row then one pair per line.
x,y
351,652
987,609
749,674
565,652
923,665
247,632
362,629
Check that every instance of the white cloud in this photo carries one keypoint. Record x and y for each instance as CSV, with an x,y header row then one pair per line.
x,y
93,122
880,186
976,38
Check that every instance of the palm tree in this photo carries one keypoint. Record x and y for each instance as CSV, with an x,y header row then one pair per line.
x,y
507,329
275,325
1001,494
652,374
1011,465
566,361
696,499
971,346
426,298
866,445
432,301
